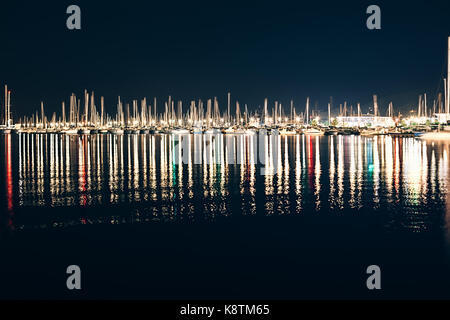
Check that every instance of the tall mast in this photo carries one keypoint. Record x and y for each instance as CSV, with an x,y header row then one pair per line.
x,y
143,112
265,111
8,114
128,114
70,109
375,105
307,110
228,112
359,112
445,95
419,107
208,112
102,106
78,112
216,111
246,114
238,114
154,106
425,103
6,105
42,113
86,105
447,103
329,113
180,112
63,114
292,112
93,119
134,112
275,114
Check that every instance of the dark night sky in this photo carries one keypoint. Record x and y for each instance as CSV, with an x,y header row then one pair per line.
x,y
189,49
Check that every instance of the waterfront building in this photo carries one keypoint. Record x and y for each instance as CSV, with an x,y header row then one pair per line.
x,y
365,121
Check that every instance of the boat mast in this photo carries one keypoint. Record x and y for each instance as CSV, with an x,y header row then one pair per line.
x,y
375,105
307,111
228,110
63,114
265,111
102,107
6,105
8,113
329,114
447,100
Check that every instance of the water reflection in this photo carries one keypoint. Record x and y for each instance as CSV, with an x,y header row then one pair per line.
x,y
220,176
9,182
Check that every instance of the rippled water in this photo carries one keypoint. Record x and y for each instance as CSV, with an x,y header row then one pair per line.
x,y
393,185
314,174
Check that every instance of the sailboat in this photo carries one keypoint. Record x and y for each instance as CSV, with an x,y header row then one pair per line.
x,y
288,131
180,131
116,131
313,131
70,131
438,135
213,131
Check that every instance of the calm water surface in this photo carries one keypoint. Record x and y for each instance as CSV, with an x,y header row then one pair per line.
x,y
143,225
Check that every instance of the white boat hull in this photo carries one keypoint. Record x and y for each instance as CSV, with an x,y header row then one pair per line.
x,y
70,131
443,135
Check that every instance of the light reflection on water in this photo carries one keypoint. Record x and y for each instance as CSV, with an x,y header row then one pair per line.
x,y
404,177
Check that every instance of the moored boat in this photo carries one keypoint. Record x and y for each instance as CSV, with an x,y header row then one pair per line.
x,y
197,130
287,132
313,131
180,131
70,131
331,132
84,131
116,131
213,131
439,135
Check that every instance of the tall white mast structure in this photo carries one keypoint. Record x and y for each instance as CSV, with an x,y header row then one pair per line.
x,y
447,100
102,105
229,110
425,104
265,111
307,111
329,113
375,105
7,106
63,107
8,113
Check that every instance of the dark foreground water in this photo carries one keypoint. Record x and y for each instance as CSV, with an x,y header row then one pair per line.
x,y
142,225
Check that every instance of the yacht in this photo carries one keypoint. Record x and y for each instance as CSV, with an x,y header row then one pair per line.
x,y
313,131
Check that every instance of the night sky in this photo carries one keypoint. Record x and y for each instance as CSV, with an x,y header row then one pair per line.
x,y
191,50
